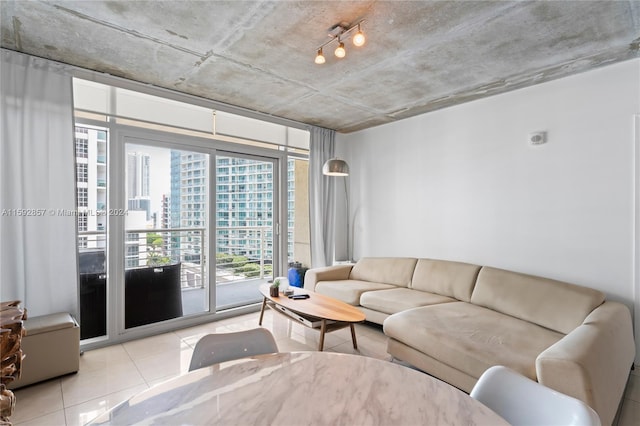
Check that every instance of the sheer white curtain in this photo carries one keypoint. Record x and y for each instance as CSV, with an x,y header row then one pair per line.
x,y
321,197
38,260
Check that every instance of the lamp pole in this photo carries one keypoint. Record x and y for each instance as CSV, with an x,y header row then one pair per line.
x,y
346,196
337,167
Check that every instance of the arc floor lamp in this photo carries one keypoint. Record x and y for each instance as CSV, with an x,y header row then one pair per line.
x,y
338,167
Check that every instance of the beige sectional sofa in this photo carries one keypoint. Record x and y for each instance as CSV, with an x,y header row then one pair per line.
x,y
454,320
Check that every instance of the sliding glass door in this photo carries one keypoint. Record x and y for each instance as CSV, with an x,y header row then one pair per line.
x,y
183,230
246,213
166,234
177,261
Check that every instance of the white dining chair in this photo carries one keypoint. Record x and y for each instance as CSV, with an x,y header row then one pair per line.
x,y
524,402
220,347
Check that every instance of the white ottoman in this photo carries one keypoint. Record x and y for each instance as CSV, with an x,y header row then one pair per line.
x,y
51,348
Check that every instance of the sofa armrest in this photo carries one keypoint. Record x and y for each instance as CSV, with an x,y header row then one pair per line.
x,y
329,273
592,363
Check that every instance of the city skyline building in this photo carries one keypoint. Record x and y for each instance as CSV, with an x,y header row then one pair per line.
x,y
188,203
91,185
244,203
138,181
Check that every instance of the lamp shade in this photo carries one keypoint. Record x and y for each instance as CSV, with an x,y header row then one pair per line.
x,y
335,167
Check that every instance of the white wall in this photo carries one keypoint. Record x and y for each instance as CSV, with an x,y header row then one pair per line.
x,y
463,183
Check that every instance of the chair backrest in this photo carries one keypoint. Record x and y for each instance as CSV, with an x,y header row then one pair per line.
x,y
215,348
522,401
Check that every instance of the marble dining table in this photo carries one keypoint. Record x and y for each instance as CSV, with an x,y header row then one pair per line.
x,y
302,388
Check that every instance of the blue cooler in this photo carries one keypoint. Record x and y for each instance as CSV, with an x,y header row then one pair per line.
x,y
296,274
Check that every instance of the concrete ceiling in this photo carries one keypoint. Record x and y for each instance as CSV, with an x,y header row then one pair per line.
x,y
419,56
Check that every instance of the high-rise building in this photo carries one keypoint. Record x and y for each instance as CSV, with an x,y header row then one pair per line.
x,y
138,174
175,188
244,191
91,184
244,203
138,171
188,206
165,213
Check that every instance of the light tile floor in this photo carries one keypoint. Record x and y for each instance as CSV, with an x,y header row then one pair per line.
x,y
111,375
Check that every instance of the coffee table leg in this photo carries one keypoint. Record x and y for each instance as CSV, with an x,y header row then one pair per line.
x,y
323,329
264,305
353,336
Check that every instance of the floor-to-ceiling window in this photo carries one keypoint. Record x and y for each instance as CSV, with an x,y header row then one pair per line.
x,y
91,145
182,212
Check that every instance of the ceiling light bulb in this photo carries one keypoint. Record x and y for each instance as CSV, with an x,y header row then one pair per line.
x,y
320,57
358,39
340,52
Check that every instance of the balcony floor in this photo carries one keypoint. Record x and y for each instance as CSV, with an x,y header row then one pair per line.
x,y
228,295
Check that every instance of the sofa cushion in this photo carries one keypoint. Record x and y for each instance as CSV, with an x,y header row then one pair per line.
x,y
399,299
349,291
471,338
553,304
453,279
386,270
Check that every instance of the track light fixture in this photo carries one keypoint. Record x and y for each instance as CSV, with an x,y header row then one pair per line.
x,y
340,32
340,52
358,39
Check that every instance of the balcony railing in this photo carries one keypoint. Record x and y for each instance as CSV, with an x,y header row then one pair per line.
x,y
159,262
159,247
243,253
